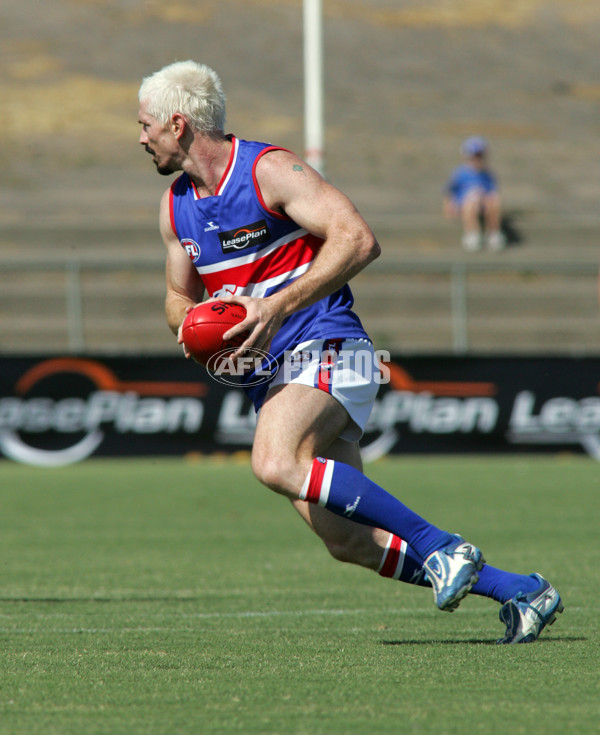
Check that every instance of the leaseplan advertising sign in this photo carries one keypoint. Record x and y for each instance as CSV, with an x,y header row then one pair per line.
x,y
59,410
62,410
492,404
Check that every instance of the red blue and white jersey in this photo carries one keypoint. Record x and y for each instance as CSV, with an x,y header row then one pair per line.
x,y
241,247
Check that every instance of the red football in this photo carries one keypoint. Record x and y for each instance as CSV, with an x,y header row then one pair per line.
x,y
204,326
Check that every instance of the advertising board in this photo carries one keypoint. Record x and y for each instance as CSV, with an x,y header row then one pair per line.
x,y
56,410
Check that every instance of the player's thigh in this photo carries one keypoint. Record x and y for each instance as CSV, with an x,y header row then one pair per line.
x,y
296,423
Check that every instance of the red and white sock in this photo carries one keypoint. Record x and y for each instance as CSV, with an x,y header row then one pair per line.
x,y
392,561
318,482
347,492
399,560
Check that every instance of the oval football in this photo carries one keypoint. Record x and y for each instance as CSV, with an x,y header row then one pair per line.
x,y
204,326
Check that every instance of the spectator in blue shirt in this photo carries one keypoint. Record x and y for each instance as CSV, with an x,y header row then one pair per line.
x,y
472,194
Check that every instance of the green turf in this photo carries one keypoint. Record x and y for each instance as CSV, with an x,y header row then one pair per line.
x,y
178,597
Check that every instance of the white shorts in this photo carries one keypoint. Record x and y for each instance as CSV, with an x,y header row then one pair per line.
x,y
347,369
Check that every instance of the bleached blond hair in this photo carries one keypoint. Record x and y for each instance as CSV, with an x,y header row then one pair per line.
x,y
192,89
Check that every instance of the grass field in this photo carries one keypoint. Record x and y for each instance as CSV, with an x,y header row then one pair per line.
x,y
174,597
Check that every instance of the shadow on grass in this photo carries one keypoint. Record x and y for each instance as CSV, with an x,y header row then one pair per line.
x,y
475,641
86,600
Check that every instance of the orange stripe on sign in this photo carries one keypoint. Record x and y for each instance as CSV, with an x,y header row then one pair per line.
x,y
401,380
105,379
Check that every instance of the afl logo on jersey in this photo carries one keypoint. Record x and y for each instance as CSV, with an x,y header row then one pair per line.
x,y
192,248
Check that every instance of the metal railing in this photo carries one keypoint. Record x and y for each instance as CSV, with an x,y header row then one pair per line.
x,y
458,273
73,269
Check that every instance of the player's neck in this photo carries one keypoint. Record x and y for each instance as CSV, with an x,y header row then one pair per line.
x,y
208,159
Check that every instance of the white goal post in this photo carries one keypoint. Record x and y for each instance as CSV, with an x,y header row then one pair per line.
x,y
313,84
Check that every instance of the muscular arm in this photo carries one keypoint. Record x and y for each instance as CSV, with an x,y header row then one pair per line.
x,y
289,185
184,287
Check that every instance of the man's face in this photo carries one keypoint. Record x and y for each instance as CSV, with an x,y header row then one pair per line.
x,y
159,142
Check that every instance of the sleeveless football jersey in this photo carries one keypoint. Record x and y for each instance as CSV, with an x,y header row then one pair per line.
x,y
240,247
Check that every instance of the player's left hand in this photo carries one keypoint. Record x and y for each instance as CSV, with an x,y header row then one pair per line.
x,y
262,321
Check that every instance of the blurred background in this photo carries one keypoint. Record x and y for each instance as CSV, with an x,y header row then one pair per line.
x,y
81,261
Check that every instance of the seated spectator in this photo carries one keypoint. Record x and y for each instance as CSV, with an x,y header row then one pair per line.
x,y
472,194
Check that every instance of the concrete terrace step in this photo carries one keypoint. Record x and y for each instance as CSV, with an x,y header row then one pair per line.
x,y
405,298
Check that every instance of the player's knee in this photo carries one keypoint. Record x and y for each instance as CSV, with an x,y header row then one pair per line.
x,y
266,471
276,471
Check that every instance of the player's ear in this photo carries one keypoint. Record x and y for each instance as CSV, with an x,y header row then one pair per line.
x,y
178,125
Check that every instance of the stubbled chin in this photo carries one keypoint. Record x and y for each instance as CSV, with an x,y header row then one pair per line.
x,y
165,170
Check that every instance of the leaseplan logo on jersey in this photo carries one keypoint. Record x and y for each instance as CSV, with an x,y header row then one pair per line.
x,y
244,237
